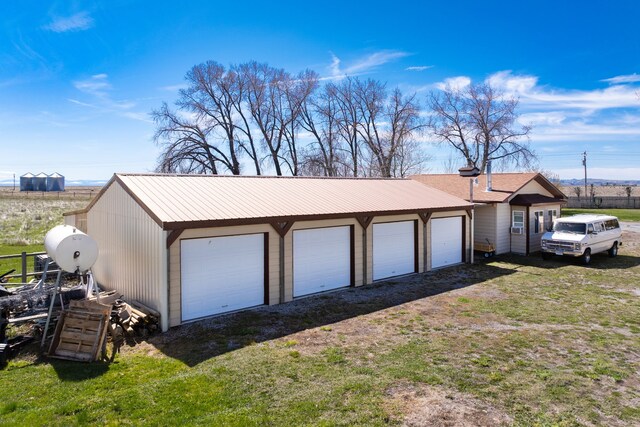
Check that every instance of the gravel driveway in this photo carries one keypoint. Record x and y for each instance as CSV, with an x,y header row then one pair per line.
x,y
630,226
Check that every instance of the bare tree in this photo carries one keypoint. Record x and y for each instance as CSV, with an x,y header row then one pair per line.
x,y
320,119
293,97
351,128
184,144
210,97
481,124
348,119
262,98
578,191
386,124
450,165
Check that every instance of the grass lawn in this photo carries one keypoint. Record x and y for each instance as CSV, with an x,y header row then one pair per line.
x,y
622,214
514,341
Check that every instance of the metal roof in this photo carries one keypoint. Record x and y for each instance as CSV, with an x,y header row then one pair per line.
x,y
504,185
178,201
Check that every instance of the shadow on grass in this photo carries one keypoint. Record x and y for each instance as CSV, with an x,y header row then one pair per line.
x,y
199,341
71,371
600,261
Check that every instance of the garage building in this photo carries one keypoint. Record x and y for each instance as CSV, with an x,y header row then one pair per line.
x,y
193,246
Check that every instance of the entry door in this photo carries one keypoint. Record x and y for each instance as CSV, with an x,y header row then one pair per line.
x,y
446,241
394,250
221,274
321,259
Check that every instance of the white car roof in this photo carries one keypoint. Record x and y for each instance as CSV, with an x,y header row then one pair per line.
x,y
584,218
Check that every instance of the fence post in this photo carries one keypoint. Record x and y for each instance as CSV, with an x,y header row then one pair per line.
x,y
24,267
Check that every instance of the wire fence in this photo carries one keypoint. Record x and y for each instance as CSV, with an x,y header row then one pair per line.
x,y
604,202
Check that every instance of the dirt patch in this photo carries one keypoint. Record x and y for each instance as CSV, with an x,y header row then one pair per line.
x,y
436,407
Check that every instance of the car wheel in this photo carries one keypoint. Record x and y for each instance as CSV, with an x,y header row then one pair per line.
x,y
586,257
487,254
614,250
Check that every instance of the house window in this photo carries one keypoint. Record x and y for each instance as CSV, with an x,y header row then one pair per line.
x,y
517,219
538,227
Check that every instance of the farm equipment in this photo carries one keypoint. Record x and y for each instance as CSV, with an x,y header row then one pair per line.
x,y
487,250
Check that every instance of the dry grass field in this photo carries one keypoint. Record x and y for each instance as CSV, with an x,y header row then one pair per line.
x,y
24,220
608,190
77,193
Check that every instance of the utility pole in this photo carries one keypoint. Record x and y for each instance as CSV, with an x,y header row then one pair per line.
x,y
584,163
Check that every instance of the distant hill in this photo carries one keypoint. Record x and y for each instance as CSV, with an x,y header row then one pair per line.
x,y
599,182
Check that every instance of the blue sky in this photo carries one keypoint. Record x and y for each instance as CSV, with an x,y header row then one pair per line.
x,y
78,79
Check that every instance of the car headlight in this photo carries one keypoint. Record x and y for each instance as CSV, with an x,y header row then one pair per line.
x,y
544,243
576,246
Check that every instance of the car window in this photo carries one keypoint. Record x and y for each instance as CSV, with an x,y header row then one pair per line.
x,y
590,228
570,227
611,224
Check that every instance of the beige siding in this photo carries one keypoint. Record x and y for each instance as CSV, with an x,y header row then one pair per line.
x,y
132,256
519,241
535,240
485,224
393,218
533,188
78,220
175,308
467,237
70,220
503,226
288,250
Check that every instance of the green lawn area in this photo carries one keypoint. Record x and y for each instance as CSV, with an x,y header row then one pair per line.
x,y
622,214
514,341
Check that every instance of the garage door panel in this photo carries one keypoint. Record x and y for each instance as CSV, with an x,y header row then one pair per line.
x,y
393,249
221,274
321,260
446,241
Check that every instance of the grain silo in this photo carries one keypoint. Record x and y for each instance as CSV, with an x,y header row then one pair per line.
x,y
26,182
40,182
55,182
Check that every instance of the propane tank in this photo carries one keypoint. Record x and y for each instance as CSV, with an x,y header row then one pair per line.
x,y
71,249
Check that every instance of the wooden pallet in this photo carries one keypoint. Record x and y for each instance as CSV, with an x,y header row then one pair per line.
x,y
81,331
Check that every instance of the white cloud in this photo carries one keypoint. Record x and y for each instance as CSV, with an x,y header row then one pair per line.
x,y
419,68
364,64
511,84
97,85
627,78
99,89
78,22
454,83
174,88
545,118
532,95
335,65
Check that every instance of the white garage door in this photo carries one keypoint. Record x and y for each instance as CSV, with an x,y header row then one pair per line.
x,y
393,249
321,259
221,274
446,241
